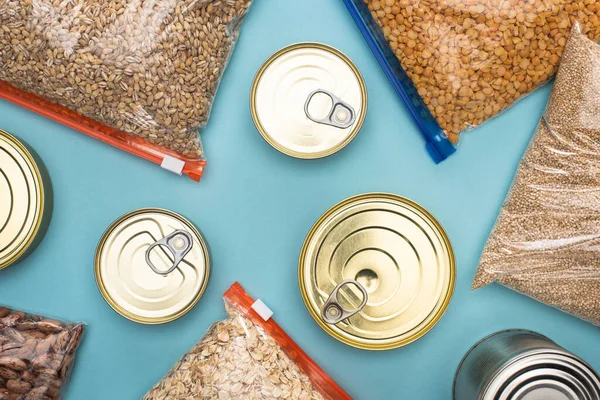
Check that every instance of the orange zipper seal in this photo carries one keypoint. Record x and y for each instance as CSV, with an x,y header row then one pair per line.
x,y
238,298
129,143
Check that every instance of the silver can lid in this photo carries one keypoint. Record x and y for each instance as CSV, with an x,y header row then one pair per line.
x,y
544,376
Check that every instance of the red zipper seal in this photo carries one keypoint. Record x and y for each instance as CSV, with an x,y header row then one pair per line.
x,y
193,167
238,298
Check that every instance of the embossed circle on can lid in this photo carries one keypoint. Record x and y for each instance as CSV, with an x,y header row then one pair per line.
x,y
21,199
161,289
396,251
308,100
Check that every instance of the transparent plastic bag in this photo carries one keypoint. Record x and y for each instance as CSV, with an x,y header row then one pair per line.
x,y
245,357
138,74
36,355
468,60
546,241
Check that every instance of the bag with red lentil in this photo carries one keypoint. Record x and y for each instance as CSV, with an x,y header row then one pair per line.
x,y
246,356
546,241
457,63
138,74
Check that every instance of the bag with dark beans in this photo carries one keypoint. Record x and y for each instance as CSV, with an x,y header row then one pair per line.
x,y
36,355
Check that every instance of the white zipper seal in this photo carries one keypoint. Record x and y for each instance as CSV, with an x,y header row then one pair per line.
x,y
262,310
172,164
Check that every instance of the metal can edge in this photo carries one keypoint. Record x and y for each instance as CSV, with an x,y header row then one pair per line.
x,y
45,204
254,88
558,349
119,310
317,317
479,342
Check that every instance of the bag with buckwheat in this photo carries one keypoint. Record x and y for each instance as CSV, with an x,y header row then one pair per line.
x,y
36,355
546,241
138,74
245,356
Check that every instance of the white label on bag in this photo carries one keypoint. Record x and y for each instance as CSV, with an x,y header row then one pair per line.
x,y
262,310
173,164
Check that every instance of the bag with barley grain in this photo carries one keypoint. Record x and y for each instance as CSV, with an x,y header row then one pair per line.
x,y
138,74
246,356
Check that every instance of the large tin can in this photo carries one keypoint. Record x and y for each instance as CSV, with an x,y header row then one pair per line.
x,y
377,271
523,365
308,100
152,265
25,200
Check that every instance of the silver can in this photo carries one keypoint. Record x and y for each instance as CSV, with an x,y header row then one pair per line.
x,y
523,365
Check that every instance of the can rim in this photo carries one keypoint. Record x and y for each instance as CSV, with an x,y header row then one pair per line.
x,y
425,329
480,341
119,309
263,132
31,163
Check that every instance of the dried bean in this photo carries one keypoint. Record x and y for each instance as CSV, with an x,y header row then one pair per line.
x,y
32,365
18,386
13,363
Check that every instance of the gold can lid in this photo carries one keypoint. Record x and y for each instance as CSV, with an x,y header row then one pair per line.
x,y
152,266
308,100
395,253
21,199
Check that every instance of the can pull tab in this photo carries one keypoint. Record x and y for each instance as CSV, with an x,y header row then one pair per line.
x,y
341,115
179,244
333,312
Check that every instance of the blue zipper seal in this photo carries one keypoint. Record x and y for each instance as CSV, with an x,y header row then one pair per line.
x,y
437,144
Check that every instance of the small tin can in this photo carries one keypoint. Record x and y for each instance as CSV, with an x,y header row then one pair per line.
x,y
152,266
523,365
377,271
308,100
25,200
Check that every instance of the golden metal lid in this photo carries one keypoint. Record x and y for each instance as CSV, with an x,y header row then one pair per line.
x,y
21,199
152,266
308,100
391,249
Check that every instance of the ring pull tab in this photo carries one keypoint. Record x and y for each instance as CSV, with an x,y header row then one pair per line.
x,y
179,243
341,115
333,312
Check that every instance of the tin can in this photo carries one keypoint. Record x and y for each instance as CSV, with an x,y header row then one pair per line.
x,y
152,265
377,271
308,100
523,365
25,200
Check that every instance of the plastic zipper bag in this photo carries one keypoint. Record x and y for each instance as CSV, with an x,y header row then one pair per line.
x,y
457,63
36,355
138,74
245,357
546,241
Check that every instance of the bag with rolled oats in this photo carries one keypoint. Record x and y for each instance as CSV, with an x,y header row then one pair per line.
x,y
246,356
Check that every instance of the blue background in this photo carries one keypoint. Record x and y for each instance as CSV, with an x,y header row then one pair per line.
x,y
255,206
